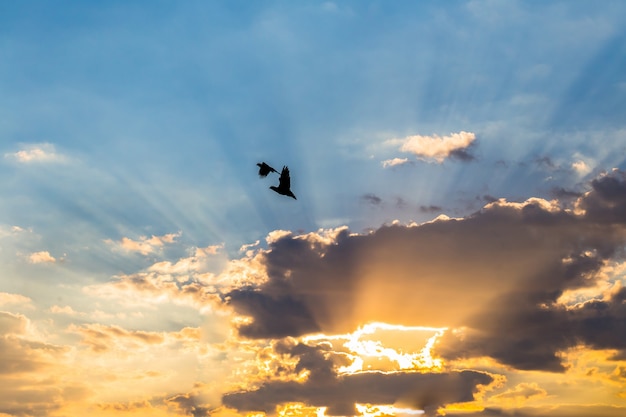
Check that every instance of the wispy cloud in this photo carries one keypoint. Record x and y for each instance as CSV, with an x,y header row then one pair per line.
x,y
8,298
394,162
36,153
518,395
433,148
144,245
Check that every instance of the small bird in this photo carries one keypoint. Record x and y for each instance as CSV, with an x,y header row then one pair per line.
x,y
265,169
284,184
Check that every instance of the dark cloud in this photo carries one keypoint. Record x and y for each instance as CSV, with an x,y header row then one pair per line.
x,y
464,155
488,198
325,388
188,404
277,315
497,272
430,209
606,202
545,162
562,193
371,199
418,390
529,337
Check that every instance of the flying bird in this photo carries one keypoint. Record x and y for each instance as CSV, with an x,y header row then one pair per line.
x,y
265,169
284,184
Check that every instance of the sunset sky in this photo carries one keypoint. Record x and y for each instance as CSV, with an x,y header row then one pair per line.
x,y
457,246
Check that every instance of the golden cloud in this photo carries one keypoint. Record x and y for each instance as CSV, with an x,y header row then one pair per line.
x,y
41,257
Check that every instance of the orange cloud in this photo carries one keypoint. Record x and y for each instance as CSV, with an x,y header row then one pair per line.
x,y
41,257
436,148
520,394
145,245
8,298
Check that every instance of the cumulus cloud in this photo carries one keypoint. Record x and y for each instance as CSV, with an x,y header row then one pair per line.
x,y
434,148
37,153
501,268
323,387
41,257
185,281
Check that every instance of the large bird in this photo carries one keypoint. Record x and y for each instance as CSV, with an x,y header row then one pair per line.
x,y
265,169
284,184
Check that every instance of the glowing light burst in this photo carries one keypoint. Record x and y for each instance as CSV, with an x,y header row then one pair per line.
x,y
361,349
368,410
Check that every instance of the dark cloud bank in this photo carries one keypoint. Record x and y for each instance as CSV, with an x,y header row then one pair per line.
x,y
324,388
497,273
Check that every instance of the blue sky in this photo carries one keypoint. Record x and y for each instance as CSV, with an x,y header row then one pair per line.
x,y
130,130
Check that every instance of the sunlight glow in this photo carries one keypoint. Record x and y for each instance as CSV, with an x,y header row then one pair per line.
x,y
368,410
362,348
299,410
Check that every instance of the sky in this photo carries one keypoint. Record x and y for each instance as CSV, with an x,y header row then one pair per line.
x,y
457,246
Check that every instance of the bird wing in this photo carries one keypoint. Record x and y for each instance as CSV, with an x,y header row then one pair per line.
x,y
284,182
265,169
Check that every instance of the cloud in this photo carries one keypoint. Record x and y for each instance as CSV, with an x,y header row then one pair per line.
x,y
473,274
323,387
37,153
394,162
63,310
41,257
144,245
581,167
186,281
430,209
10,231
606,201
516,396
24,361
551,411
371,199
102,338
8,298
189,404
339,395
435,148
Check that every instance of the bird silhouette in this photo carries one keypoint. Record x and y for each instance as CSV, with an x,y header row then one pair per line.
x,y
284,184
265,169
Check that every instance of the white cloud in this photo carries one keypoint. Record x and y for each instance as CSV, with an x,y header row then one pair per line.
x,y
394,162
10,230
435,147
41,257
40,152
